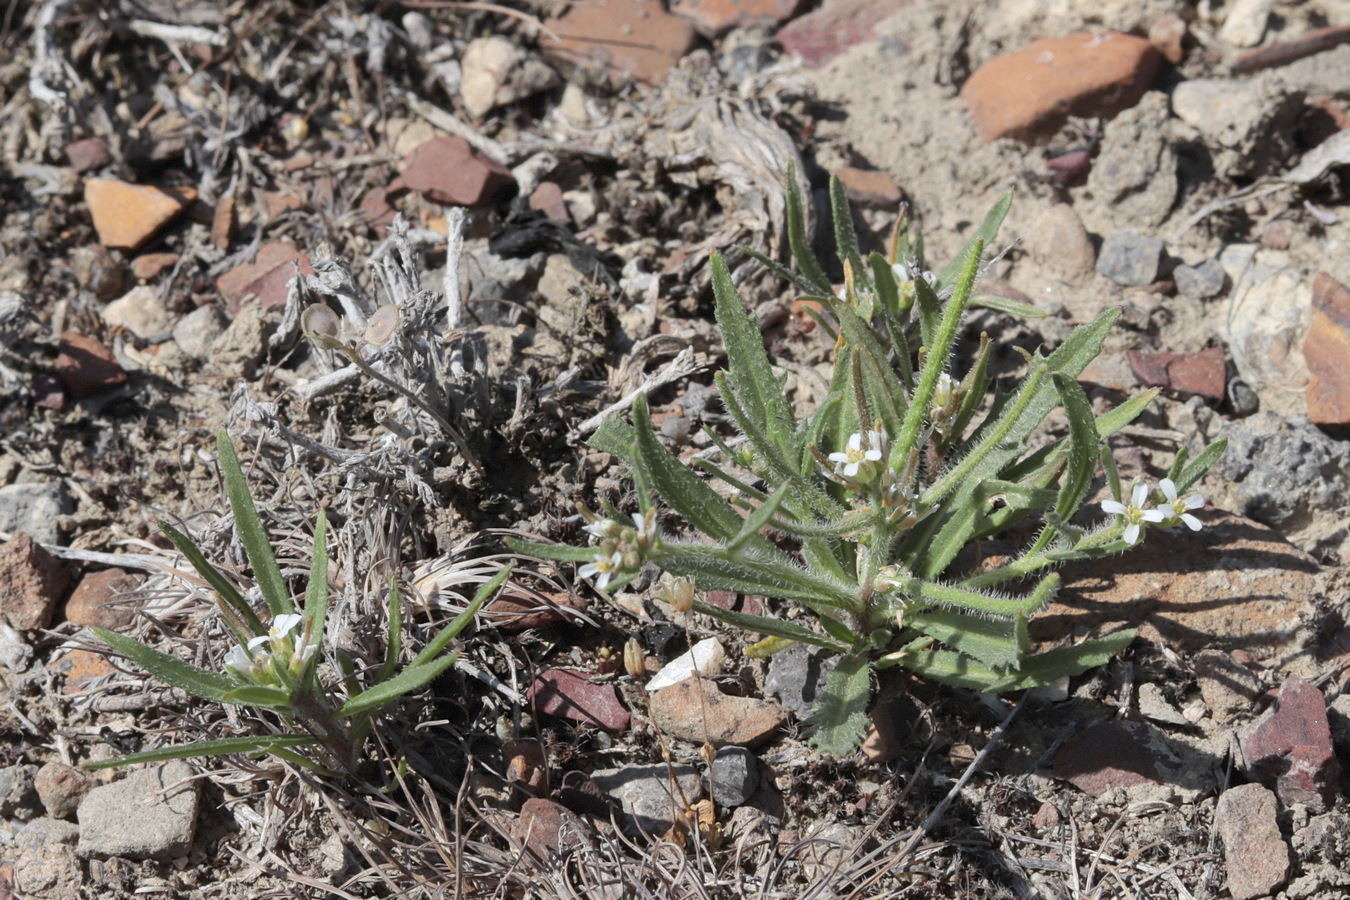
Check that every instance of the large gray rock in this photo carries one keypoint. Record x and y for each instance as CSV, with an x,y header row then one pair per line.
x,y
797,677
46,866
150,814
18,792
649,797
735,776
1134,178
34,508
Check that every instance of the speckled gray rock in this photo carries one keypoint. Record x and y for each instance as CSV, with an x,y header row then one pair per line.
x,y
46,866
797,677
1249,126
34,508
18,793
1134,177
735,776
150,814
1255,852
197,331
1200,282
1129,258
61,788
650,801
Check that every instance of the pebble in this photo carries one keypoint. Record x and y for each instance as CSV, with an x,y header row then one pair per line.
x,y
15,652
1059,245
61,788
47,867
265,277
498,71
1029,93
197,331
1245,24
127,215
86,366
99,271
18,792
1129,258
81,669
1204,373
1327,350
1135,174
704,658
88,154
31,583
1200,282
34,507
548,829
1228,687
88,602
1248,125
695,710
870,188
650,800
140,311
599,36
449,170
241,347
1289,749
735,776
513,613
1168,35
1106,756
1255,853
547,198
797,677
824,33
565,694
714,18
150,814
149,266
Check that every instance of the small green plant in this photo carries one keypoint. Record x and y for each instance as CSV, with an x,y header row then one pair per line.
x,y
859,511
276,664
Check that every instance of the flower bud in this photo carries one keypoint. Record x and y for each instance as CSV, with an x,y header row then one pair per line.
x,y
681,595
634,660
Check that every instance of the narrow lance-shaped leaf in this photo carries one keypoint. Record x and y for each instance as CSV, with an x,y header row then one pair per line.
x,y
1196,468
963,671
984,235
798,240
845,238
393,644
780,628
998,643
410,679
213,577
251,532
1083,442
168,669
316,592
220,747
450,632
839,719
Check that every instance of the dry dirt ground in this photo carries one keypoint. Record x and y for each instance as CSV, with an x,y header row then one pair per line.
x,y
581,280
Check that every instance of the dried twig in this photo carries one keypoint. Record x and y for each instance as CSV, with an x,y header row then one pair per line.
x,y
683,365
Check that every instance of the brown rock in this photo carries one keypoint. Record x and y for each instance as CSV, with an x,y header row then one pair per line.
x,y
622,39
1327,349
148,265
61,788
88,154
99,271
548,199
1030,92
376,209
1047,817
224,221
565,694
516,612
1204,373
887,732
868,187
1254,851
1070,168
81,670
279,202
1244,595
31,583
714,18
86,366
127,215
449,170
1107,755
88,602
264,278
1059,245
1227,686
1289,748
695,710
549,830
1167,34
821,35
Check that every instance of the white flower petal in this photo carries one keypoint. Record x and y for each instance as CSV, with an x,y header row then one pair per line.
x,y
285,623
1191,521
1132,533
589,569
1193,501
872,455
1139,494
1114,507
1169,489
260,640
1161,514
850,470
838,457
238,660
855,442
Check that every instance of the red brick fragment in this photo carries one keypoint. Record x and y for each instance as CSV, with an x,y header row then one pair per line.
x,y
1204,373
86,366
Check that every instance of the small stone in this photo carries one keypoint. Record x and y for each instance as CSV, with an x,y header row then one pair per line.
x,y
549,830
18,792
650,801
735,776
1327,350
516,612
86,366
150,814
61,788
47,867
1227,686
31,583
49,392
1029,93
142,312
695,710
885,739
498,71
88,602
1154,705
568,695
1245,24
1134,177
376,209
824,33
868,187
81,669
1255,853
548,199
714,18
224,222
1167,34
99,271
34,507
127,215
797,677
264,278
149,266
1047,817
449,170
600,36
88,154
197,331
1204,373
1200,282
241,347
1130,259
1106,756
1289,749
1058,243
1250,126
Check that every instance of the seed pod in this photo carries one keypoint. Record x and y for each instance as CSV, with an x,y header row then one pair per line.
x,y
634,660
682,595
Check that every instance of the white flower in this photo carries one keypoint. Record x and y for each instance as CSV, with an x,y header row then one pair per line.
x,y
253,661
1136,513
281,626
605,567
1179,507
239,662
858,463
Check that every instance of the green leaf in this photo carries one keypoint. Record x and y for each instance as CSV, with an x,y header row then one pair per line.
x,y
557,552
839,720
998,643
219,747
845,238
213,577
251,532
316,592
796,280
393,644
798,240
883,280
984,235
757,520
168,669
772,627
1083,443
999,303
963,671
450,632
947,595
410,679
769,572
928,309
885,394
1196,468
258,695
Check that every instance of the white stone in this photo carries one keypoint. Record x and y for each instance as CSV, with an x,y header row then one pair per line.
x,y
140,311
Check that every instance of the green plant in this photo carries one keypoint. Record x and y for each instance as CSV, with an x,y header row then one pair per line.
x,y
868,537
276,664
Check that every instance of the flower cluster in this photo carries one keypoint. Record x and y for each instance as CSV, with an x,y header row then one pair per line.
x,y
622,547
273,658
1136,514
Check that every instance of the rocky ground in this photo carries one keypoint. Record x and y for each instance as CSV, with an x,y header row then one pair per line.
x,y
180,182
